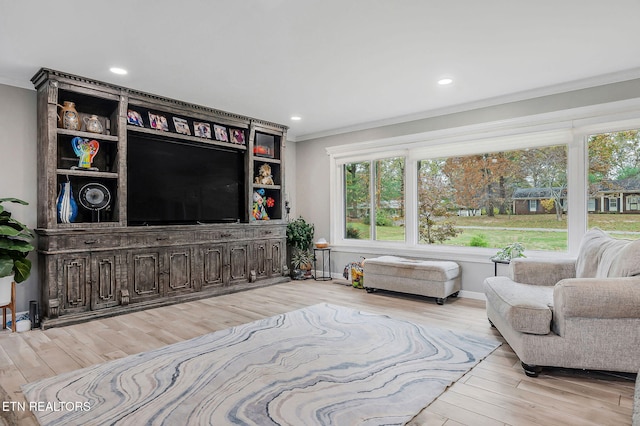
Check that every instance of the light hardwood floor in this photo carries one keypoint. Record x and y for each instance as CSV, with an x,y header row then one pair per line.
x,y
495,392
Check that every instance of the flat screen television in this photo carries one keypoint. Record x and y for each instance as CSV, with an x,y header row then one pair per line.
x,y
176,182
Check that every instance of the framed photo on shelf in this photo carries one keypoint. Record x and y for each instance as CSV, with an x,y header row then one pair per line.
x,y
202,130
237,136
220,132
158,122
134,117
182,126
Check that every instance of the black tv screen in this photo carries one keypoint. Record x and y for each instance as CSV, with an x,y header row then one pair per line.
x,y
175,182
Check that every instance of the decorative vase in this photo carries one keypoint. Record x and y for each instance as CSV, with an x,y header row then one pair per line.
x,y
5,290
69,118
92,124
67,206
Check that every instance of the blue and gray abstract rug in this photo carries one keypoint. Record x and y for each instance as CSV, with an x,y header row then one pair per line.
x,y
321,365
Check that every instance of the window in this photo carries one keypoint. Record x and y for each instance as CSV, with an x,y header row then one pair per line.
x,y
614,182
374,193
357,178
459,191
493,199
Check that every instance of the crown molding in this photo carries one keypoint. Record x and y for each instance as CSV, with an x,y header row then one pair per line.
x,y
555,89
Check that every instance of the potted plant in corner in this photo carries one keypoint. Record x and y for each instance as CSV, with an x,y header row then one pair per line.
x,y
15,245
299,238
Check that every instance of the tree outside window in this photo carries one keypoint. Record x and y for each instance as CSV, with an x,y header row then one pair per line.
x,y
486,199
386,189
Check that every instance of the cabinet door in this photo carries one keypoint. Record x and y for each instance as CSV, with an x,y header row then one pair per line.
x,y
105,280
260,261
277,257
238,263
144,275
177,270
211,265
73,283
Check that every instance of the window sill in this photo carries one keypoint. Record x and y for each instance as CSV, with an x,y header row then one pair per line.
x,y
436,252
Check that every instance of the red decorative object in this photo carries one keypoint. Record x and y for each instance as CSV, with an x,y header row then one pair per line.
x,y
270,202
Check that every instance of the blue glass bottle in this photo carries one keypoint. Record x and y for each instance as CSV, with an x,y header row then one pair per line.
x,y
66,206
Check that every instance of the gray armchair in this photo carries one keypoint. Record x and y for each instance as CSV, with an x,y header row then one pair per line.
x,y
572,313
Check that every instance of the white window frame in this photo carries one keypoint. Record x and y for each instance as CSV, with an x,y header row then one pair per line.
x,y
569,127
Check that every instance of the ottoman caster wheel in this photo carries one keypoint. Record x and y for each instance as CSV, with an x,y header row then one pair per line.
x,y
455,294
369,289
531,370
440,301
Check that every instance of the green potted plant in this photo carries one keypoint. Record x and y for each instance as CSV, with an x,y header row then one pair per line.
x,y
512,251
15,244
301,261
299,238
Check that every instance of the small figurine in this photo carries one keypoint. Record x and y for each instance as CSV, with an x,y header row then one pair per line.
x,y
264,175
259,210
260,205
85,150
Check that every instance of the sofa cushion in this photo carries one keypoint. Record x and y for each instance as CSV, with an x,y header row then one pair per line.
x,y
601,256
527,308
627,262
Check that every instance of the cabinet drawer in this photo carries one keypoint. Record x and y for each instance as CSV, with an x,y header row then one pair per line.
x,y
152,239
84,242
220,235
270,232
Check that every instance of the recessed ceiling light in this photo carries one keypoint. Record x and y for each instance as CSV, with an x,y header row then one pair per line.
x,y
445,81
119,71
296,118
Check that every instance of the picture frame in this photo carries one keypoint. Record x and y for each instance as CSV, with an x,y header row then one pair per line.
x,y
158,122
201,129
182,126
220,133
237,136
134,117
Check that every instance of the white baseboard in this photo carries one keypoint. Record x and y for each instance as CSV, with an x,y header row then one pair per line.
x,y
472,295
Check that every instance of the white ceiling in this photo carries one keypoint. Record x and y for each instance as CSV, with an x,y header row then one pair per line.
x,y
339,64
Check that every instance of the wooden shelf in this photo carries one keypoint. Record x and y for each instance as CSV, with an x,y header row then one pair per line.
x,y
97,136
87,173
257,185
266,159
173,135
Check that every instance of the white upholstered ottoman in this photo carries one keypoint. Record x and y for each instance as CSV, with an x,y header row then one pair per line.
x,y
431,278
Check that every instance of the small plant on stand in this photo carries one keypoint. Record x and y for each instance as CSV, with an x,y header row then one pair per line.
x,y
512,251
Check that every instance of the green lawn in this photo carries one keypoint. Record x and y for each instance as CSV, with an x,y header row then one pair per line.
x,y
536,232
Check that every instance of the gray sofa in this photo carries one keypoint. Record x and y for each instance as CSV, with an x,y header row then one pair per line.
x,y
572,313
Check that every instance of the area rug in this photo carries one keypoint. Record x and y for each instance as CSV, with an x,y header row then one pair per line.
x,y
321,365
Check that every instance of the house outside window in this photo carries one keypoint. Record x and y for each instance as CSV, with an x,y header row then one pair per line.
x,y
533,206
613,182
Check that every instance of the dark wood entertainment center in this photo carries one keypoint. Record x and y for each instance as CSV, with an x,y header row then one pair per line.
x,y
100,264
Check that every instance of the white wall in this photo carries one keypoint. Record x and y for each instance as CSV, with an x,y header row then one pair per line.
x,y
18,170
313,162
